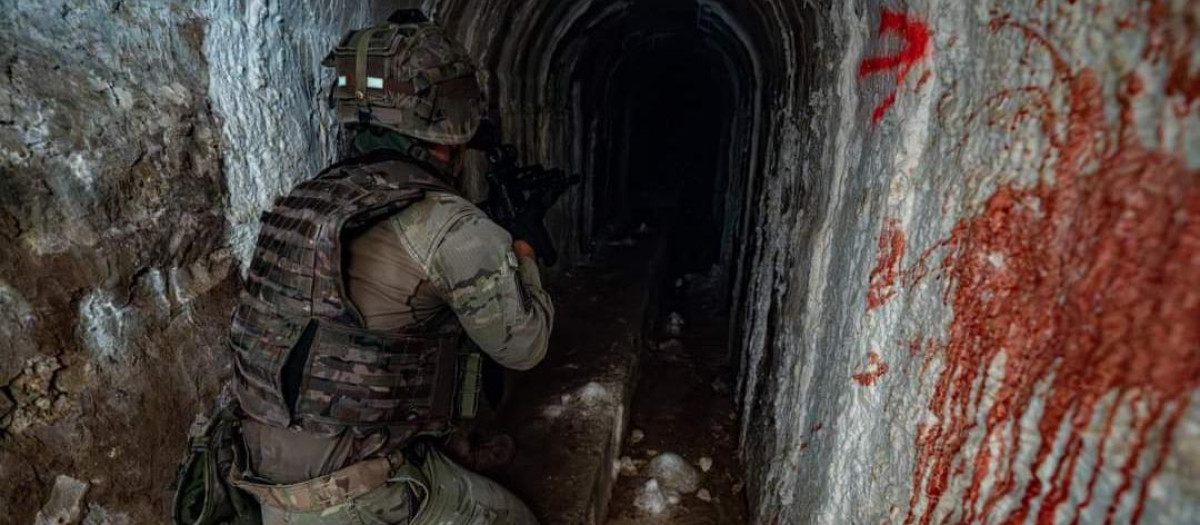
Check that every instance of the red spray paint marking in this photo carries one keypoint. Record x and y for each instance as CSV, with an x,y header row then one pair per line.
x,y
875,370
883,278
916,37
1089,287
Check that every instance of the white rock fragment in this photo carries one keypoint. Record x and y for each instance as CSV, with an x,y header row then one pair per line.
x,y
672,497
593,394
66,502
104,324
675,324
650,499
674,473
705,463
553,411
636,436
704,495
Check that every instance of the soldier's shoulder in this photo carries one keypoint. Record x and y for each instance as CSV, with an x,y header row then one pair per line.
x,y
425,223
438,209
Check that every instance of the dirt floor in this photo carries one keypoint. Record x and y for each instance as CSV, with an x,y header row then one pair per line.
x,y
568,415
683,405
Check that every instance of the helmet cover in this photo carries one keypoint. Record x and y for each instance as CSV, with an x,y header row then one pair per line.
x,y
410,78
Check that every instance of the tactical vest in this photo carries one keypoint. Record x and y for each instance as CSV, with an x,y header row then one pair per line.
x,y
302,352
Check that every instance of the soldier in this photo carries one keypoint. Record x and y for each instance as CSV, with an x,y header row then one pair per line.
x,y
347,336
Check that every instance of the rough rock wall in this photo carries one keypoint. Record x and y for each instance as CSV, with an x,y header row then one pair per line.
x,y
977,294
138,141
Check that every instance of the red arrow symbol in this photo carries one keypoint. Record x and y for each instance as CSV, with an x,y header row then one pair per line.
x,y
916,37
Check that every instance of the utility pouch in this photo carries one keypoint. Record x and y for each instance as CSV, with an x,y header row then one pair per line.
x,y
203,493
470,384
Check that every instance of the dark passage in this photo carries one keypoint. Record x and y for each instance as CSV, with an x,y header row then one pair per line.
x,y
639,372
663,99
671,116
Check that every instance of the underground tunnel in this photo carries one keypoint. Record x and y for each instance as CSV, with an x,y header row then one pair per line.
x,y
827,262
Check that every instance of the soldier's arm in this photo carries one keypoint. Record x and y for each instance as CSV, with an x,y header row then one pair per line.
x,y
497,295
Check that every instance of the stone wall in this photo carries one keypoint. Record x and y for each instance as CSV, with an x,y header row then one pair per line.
x,y
968,282
138,142
977,273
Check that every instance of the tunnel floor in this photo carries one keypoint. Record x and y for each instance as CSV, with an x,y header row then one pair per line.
x,y
614,369
683,405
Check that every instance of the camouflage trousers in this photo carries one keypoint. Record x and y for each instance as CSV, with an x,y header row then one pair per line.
x,y
441,491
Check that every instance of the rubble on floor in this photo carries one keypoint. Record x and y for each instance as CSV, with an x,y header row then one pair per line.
x,y
65,506
684,418
570,414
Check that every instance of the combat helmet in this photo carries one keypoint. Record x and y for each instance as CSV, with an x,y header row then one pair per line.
x,y
408,76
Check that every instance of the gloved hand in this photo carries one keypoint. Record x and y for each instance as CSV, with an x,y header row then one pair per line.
x,y
529,227
524,249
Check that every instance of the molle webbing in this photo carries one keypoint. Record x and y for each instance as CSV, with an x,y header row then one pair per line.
x,y
301,349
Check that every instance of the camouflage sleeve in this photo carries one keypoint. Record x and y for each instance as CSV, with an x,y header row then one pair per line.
x,y
498,299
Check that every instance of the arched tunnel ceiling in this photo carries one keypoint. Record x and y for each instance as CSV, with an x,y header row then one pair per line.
x,y
536,51
135,179
538,46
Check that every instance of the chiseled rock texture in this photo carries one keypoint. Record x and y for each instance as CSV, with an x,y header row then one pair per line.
x,y
137,141
115,268
961,236
977,275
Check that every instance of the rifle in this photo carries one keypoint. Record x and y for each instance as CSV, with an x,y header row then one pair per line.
x,y
518,197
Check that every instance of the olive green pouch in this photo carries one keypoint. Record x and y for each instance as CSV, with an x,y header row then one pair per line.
x,y
203,493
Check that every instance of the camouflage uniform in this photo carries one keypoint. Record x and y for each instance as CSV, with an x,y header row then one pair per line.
x,y
440,258
444,493
439,255
370,283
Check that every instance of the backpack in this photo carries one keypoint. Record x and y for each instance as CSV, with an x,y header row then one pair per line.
x,y
203,492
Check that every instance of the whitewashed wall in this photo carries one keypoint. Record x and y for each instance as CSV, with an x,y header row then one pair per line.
x,y
1035,347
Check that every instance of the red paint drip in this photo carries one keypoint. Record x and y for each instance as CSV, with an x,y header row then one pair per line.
x,y
915,345
924,79
916,37
883,278
875,370
1089,287
1174,42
